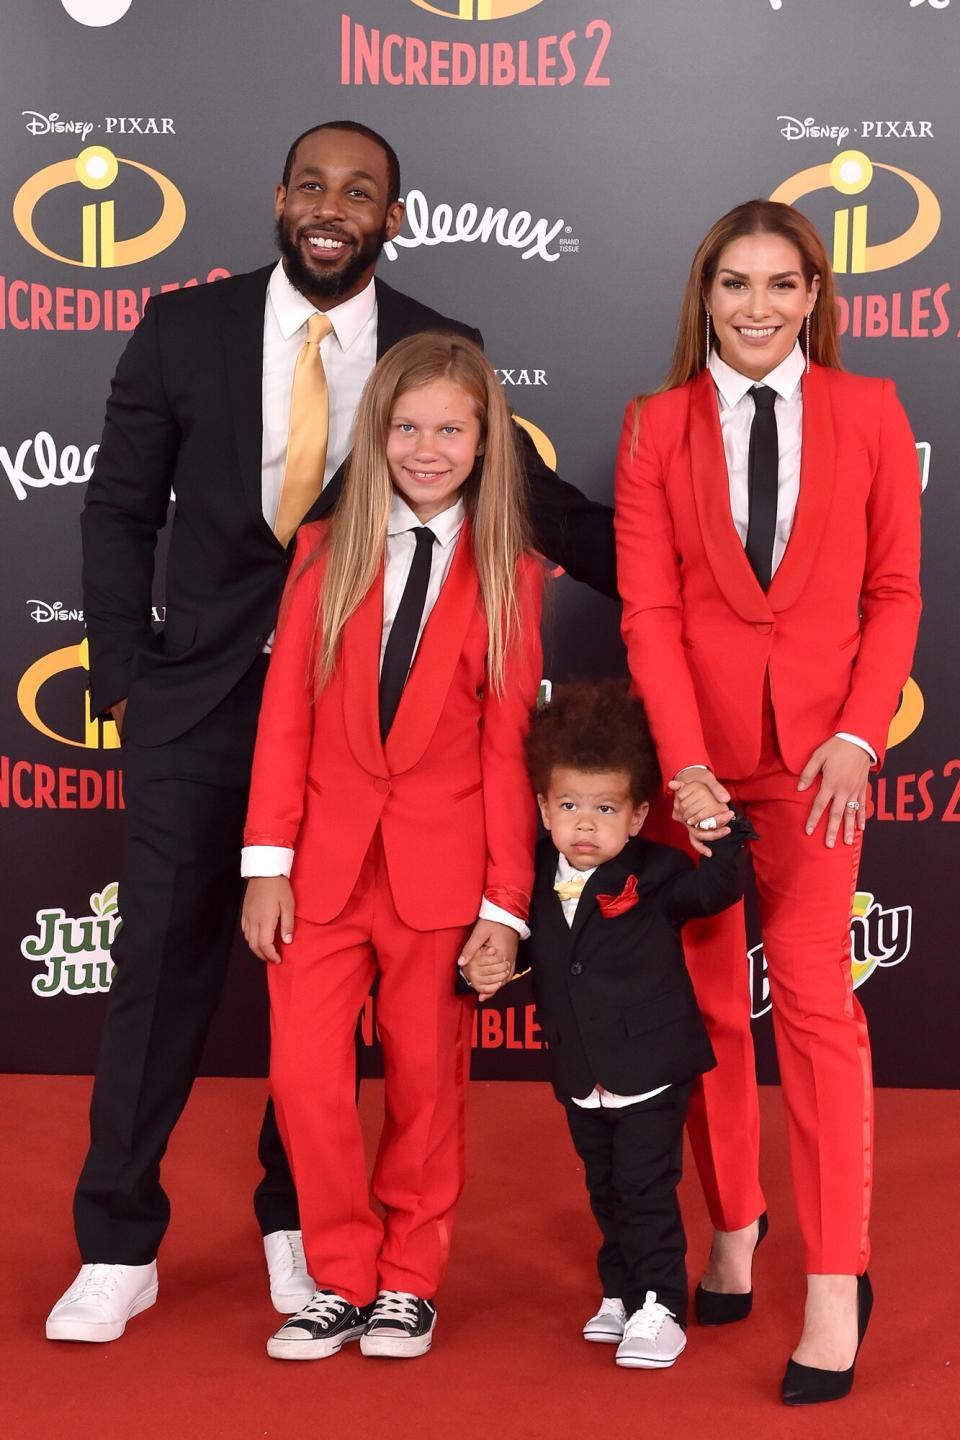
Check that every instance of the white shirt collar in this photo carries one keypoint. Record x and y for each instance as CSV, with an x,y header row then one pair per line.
x,y
566,871
293,310
784,378
446,526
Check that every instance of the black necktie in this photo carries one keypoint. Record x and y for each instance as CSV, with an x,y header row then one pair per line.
x,y
398,656
763,468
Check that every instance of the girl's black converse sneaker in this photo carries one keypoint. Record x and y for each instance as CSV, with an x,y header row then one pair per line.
x,y
324,1324
400,1326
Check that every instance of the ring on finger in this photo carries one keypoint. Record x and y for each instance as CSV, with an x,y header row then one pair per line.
x,y
853,805
709,824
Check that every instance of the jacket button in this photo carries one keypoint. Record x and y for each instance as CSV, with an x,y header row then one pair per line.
x,y
576,968
382,787
764,627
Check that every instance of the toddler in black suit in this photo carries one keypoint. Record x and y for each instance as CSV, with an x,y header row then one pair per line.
x,y
614,1000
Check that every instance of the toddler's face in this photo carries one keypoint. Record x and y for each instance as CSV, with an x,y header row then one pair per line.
x,y
590,814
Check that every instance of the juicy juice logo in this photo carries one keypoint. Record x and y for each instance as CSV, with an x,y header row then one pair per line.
x,y
75,953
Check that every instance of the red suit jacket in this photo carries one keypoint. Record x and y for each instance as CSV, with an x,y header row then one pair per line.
x,y
449,789
837,627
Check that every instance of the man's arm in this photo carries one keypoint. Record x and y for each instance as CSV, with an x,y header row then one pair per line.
x,y
125,508
569,529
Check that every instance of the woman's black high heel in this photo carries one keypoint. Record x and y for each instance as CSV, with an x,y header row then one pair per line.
x,y
807,1385
713,1308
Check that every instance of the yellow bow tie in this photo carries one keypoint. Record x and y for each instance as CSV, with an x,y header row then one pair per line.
x,y
571,889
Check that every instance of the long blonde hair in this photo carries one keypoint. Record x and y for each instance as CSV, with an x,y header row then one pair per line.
x,y
493,496
754,217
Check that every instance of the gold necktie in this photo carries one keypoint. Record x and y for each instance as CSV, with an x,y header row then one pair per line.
x,y
571,889
307,439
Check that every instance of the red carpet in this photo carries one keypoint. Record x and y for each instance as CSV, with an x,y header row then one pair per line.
x,y
508,1360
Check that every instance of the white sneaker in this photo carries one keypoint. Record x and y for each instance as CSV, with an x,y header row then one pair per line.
x,y
101,1300
607,1325
652,1339
291,1288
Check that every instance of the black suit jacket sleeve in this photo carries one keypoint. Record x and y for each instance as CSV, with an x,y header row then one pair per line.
x,y
714,884
125,508
569,529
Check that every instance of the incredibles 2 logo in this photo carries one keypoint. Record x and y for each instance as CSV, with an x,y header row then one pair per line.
x,y
850,174
478,9
871,200
97,235
89,733
371,56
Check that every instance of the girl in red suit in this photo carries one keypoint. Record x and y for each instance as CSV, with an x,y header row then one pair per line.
x,y
392,805
768,534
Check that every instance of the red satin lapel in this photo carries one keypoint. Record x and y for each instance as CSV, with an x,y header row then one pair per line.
x,y
711,489
435,661
360,661
817,464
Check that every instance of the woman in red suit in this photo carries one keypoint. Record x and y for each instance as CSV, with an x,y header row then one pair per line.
x,y
400,810
767,512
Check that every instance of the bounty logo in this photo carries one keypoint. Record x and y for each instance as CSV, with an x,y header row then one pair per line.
x,y
97,734
95,235
879,939
75,953
478,9
851,173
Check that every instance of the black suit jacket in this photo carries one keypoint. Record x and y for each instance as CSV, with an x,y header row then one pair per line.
x,y
185,414
614,999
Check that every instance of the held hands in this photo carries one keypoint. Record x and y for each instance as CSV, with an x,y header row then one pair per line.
x,y
698,795
489,957
267,910
843,768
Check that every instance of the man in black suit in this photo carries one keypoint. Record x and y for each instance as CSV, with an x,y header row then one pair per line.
x,y
201,404
614,999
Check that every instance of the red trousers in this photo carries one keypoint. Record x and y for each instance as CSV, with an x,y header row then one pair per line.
x,y
316,994
805,895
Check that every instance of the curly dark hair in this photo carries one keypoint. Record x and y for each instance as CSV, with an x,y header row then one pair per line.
x,y
593,725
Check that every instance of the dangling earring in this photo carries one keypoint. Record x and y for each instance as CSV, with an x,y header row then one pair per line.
x,y
808,342
707,359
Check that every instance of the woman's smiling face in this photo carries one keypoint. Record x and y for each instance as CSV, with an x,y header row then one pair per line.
x,y
758,301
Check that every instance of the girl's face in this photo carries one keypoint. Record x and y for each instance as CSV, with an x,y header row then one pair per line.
x,y
758,302
432,442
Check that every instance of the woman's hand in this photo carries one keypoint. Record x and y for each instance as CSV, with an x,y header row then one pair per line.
x,y
498,944
267,909
697,795
843,768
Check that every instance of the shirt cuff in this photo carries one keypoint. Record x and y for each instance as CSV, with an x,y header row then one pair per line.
x,y
489,911
856,740
265,860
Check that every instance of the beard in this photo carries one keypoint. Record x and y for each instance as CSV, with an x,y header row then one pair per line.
x,y
327,286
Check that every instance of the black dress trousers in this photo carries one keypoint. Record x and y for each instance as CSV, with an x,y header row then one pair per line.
x,y
179,896
633,1159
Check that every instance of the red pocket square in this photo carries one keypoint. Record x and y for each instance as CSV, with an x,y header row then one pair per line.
x,y
613,905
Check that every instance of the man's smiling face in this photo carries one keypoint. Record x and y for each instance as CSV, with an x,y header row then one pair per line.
x,y
333,216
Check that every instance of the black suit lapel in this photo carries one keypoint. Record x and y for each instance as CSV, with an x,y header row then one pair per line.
x,y
393,317
554,931
243,356
607,879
